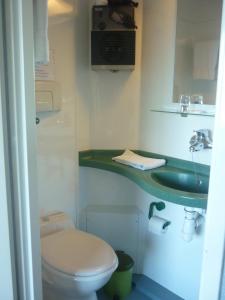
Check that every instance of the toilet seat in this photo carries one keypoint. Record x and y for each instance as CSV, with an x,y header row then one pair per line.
x,y
50,274
78,254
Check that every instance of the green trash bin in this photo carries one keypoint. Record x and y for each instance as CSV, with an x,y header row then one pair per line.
x,y
120,284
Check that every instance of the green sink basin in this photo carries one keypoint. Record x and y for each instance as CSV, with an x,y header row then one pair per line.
x,y
182,181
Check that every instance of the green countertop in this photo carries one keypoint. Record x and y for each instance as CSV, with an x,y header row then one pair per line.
x,y
102,159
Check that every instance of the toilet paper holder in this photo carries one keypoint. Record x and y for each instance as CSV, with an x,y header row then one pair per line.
x,y
159,206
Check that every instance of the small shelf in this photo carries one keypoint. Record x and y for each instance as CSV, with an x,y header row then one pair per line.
x,y
190,112
193,109
102,159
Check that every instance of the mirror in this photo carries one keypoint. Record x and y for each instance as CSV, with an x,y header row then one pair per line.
x,y
197,51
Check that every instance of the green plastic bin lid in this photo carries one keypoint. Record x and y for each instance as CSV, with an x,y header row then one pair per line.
x,y
125,261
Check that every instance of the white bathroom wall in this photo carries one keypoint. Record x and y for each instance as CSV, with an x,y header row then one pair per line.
x,y
116,102
57,162
60,134
99,110
114,119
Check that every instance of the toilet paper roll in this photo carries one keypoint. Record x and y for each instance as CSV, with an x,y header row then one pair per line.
x,y
158,225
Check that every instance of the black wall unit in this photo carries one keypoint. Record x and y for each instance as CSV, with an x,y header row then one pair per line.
x,y
113,48
112,44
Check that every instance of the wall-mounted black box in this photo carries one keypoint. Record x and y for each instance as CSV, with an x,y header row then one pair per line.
x,y
112,44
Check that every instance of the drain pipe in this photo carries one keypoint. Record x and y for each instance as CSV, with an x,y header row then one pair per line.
x,y
193,219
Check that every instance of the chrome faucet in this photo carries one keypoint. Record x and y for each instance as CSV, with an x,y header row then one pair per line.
x,y
201,140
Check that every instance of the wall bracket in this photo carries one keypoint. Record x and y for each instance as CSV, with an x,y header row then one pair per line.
x,y
158,205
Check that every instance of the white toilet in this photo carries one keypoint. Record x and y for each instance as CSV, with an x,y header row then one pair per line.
x,y
75,264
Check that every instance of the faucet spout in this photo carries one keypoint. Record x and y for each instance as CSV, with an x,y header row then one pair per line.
x,y
196,147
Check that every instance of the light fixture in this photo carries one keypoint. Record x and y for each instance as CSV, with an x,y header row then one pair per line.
x,y
59,7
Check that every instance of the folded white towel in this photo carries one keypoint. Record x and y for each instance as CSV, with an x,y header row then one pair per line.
x,y
139,162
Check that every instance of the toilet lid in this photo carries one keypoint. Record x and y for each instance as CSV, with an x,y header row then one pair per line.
x,y
77,253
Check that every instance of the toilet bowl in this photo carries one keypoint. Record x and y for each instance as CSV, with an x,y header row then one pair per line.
x,y
75,264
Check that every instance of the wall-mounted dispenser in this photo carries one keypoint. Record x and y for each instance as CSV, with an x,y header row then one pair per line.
x,y
47,95
113,37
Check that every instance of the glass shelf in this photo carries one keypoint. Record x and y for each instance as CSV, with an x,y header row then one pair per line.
x,y
192,111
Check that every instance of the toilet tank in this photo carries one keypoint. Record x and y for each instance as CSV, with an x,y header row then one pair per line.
x,y
55,222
